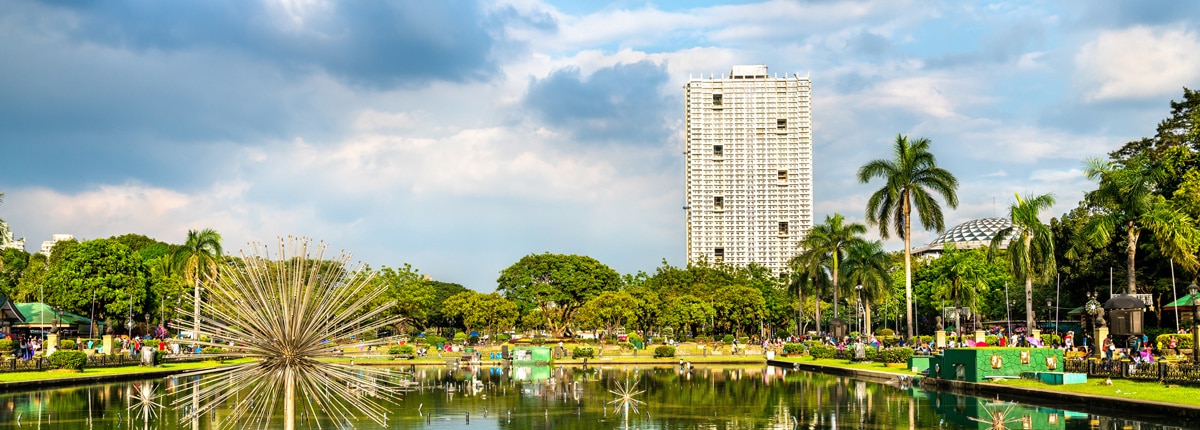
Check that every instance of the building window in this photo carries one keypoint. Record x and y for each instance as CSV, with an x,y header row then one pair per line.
x,y
783,228
716,99
719,254
718,150
782,176
719,203
781,123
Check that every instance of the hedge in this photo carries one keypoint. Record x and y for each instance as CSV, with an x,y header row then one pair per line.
x,y
7,345
885,332
66,344
664,351
583,352
1184,341
793,348
820,350
1049,339
895,355
728,339
67,359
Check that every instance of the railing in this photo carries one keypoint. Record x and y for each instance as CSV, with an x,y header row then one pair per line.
x,y
1182,373
101,360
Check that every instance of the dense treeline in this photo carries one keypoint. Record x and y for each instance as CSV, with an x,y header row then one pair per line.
x,y
1136,231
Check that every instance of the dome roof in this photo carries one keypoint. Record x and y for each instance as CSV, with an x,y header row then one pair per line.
x,y
972,234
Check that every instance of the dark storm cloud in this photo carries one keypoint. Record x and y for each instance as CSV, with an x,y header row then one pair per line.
x,y
372,43
620,103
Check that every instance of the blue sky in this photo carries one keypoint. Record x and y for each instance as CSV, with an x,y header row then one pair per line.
x,y
459,136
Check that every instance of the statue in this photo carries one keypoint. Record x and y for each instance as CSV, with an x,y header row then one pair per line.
x,y
939,322
1100,323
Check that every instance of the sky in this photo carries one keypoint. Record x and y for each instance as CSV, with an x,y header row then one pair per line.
x,y
459,136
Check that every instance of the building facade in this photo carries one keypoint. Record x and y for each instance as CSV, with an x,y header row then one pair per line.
x,y
748,161
48,246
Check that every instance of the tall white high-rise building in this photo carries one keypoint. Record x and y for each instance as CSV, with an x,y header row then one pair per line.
x,y
748,167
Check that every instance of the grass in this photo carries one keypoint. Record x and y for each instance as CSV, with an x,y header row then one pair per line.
x,y
846,364
105,371
1120,388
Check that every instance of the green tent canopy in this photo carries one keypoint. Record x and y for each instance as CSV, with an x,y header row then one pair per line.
x,y
40,316
1183,304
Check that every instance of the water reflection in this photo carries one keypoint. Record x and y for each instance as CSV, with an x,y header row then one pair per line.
x,y
582,398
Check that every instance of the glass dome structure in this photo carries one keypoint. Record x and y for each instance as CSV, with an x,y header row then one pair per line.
x,y
977,233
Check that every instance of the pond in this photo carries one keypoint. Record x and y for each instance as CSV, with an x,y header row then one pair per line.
x,y
751,397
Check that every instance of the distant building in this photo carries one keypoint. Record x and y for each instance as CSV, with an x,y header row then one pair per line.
x,y
7,241
973,234
748,179
48,246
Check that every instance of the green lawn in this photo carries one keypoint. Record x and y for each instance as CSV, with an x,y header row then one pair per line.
x,y
1120,388
833,362
127,370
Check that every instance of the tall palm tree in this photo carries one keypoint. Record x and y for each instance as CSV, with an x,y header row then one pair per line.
x,y
867,266
1031,252
962,282
809,272
909,178
1126,199
198,256
833,238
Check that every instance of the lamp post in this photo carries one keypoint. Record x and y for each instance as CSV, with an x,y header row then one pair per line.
x,y
1092,307
858,309
1193,289
1048,304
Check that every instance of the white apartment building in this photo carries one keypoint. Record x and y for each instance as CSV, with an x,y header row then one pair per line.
x,y
748,159
48,246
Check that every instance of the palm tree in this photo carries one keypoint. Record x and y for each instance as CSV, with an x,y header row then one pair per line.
x,y
198,256
963,281
832,239
909,178
1126,200
1031,252
809,272
867,266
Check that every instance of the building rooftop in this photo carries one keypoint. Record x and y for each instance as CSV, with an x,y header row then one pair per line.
x,y
977,233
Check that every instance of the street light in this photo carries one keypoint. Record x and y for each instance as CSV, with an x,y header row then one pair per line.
x,y
1193,289
858,309
1048,304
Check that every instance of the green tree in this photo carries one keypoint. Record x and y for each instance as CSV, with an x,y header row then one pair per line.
x,y
961,279
103,267
556,284
1126,201
867,267
434,317
13,263
1031,250
477,311
31,279
610,310
738,306
413,296
648,306
685,312
833,239
910,178
198,256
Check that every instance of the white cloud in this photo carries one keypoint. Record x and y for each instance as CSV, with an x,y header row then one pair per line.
x,y
1138,62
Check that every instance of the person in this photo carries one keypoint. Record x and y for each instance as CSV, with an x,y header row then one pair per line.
x,y
1173,345
1108,347
1069,340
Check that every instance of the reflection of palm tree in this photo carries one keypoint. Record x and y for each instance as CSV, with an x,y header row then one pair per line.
x,y
867,265
909,177
199,255
1031,253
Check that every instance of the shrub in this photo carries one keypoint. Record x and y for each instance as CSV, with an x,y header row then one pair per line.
x,y
820,350
394,350
212,350
66,359
664,351
925,339
783,334
160,357
583,352
885,332
66,344
896,355
6,346
701,339
1183,341
888,341
1049,339
728,339
473,339
744,340
626,346
460,337
793,348
503,337
408,350
152,343
991,339
435,340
